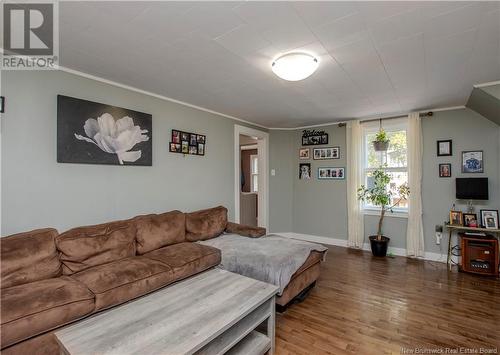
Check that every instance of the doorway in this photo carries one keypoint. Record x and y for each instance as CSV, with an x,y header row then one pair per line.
x,y
251,177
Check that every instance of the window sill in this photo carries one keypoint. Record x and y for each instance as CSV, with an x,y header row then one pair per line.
x,y
368,212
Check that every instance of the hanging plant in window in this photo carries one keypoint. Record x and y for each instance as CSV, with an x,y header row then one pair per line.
x,y
381,142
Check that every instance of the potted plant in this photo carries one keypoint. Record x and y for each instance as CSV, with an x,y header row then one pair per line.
x,y
379,195
381,142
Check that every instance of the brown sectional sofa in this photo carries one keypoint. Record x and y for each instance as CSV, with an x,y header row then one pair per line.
x,y
49,280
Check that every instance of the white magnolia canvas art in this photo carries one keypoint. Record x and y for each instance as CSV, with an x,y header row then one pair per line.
x,y
94,133
115,137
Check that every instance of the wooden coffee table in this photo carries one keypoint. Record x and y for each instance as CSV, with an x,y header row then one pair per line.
x,y
215,312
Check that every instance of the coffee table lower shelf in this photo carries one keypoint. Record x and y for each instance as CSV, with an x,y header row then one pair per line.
x,y
254,343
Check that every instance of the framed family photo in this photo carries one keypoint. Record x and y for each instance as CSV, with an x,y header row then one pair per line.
x,y
304,153
444,148
326,153
187,143
304,171
331,173
470,220
444,170
472,161
489,219
456,218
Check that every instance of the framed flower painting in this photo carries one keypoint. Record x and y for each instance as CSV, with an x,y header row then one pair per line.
x,y
94,133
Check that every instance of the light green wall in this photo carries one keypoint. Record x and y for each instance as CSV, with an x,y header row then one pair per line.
x,y
39,192
281,185
319,207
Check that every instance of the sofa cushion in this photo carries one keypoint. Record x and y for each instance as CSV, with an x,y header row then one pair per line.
x,y
245,230
206,224
84,247
123,280
156,231
28,257
186,259
36,307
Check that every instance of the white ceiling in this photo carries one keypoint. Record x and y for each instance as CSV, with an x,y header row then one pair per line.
x,y
375,57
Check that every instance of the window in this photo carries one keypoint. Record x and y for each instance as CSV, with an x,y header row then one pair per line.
x,y
393,161
254,173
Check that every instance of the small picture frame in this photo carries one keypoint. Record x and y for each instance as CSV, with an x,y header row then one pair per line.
x,y
456,218
445,170
193,150
472,161
470,220
304,153
175,147
185,147
489,219
201,139
201,148
304,171
193,140
444,148
176,136
2,104
331,173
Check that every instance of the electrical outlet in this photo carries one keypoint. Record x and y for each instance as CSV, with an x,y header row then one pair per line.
x,y
273,172
439,235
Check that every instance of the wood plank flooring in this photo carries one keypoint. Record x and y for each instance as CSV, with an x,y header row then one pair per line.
x,y
366,305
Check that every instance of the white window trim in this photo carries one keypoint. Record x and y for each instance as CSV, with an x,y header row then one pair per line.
x,y
373,127
252,173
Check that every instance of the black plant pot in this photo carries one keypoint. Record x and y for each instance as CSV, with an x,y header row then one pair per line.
x,y
379,247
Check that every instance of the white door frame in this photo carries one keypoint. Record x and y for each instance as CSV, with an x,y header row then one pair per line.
x,y
263,153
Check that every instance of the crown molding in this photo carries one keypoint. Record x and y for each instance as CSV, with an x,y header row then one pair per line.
x,y
200,108
368,118
483,85
152,94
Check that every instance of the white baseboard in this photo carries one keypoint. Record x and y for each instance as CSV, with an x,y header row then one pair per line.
x,y
366,246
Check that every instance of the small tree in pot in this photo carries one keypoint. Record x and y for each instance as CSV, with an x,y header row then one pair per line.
x,y
380,195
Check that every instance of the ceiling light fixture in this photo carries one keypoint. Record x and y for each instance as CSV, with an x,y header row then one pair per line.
x,y
295,66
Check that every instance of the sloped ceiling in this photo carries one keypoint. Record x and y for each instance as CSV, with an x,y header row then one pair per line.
x,y
486,101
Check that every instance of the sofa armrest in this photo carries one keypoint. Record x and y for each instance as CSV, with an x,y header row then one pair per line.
x,y
247,231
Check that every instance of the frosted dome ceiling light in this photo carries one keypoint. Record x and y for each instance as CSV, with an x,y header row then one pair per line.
x,y
295,66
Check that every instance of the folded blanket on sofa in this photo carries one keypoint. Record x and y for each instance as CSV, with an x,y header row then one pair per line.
x,y
272,259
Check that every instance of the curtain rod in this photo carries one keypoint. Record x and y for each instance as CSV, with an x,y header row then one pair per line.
x,y
422,114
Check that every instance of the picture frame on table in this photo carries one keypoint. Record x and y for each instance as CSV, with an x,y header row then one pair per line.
x,y
472,161
456,218
331,173
470,220
304,153
444,148
326,153
489,219
445,170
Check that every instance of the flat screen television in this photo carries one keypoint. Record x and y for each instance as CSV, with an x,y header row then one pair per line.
x,y
472,188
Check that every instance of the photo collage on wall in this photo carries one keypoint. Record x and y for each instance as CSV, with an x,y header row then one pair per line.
x,y
187,143
315,137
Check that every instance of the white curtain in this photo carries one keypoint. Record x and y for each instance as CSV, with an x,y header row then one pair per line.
x,y
354,176
415,231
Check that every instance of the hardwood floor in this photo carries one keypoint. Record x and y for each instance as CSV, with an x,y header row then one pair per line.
x,y
365,305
